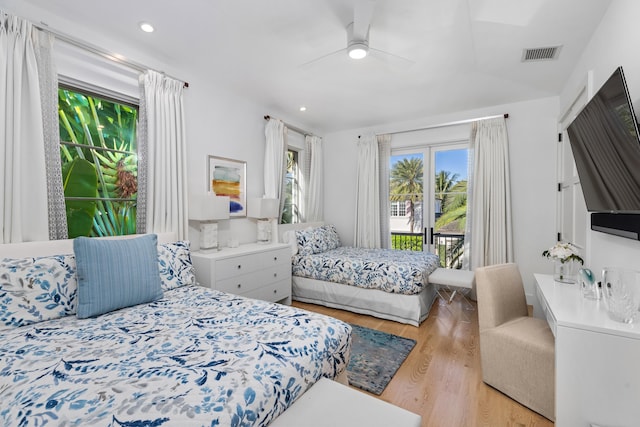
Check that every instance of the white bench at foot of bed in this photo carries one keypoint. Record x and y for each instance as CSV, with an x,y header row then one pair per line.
x,y
453,279
328,403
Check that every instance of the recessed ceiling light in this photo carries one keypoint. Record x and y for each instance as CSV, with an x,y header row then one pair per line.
x,y
146,27
303,108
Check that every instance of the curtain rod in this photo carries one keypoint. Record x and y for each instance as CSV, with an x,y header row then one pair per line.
x,y
293,128
99,51
459,122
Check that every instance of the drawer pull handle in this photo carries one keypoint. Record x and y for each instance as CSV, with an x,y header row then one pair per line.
x,y
275,274
239,266
239,285
275,258
275,291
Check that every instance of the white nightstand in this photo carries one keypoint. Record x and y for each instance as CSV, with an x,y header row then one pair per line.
x,y
252,270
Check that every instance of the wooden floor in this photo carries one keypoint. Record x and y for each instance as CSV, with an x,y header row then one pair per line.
x,y
441,379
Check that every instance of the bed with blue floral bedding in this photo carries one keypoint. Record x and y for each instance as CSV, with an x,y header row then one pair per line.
x,y
193,357
386,283
389,270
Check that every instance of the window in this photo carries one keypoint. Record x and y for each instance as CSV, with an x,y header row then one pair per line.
x,y
399,208
292,193
98,151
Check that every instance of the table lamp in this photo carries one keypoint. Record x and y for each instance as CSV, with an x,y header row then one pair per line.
x,y
207,209
264,210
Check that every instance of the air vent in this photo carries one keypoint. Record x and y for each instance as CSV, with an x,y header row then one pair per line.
x,y
540,54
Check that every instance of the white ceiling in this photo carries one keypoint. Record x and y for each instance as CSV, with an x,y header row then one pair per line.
x,y
466,53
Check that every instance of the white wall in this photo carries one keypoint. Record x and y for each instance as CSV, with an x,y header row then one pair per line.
x,y
532,129
615,43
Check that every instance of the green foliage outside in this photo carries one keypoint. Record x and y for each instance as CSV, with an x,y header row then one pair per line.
x,y
406,243
452,194
406,185
289,210
99,164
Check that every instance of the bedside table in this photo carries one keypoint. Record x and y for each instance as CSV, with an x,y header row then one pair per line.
x,y
251,270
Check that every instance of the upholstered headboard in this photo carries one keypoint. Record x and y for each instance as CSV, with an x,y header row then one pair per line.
x,y
59,247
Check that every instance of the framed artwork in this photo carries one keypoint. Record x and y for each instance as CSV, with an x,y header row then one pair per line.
x,y
228,177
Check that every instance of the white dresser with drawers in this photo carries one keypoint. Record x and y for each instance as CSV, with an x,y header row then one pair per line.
x,y
253,270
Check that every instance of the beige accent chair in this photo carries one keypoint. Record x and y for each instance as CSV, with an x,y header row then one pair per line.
x,y
516,350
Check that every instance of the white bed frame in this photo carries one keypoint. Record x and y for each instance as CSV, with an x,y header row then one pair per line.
x,y
60,247
410,309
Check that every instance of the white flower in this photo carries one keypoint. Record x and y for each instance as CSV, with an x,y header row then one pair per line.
x,y
563,252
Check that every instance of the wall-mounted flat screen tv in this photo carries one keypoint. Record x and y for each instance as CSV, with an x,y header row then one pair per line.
x,y
605,145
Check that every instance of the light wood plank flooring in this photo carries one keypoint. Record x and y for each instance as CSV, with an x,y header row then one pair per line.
x,y
441,379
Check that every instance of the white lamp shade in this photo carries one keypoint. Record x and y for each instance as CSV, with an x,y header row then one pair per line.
x,y
263,208
207,207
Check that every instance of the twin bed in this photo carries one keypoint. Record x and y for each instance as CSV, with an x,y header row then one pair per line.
x,y
192,357
384,283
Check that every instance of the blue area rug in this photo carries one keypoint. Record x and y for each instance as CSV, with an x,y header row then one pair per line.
x,y
375,358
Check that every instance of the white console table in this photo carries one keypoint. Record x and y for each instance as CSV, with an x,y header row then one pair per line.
x,y
597,359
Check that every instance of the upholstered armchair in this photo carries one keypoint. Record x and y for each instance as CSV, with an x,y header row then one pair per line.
x,y
516,350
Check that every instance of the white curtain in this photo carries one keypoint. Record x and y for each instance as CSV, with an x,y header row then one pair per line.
x,y
23,209
489,236
367,230
313,200
384,155
49,96
275,160
162,157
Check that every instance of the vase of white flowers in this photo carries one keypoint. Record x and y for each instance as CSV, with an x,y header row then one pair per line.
x,y
566,257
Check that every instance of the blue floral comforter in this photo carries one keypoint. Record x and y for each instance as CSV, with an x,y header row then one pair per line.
x,y
402,272
196,357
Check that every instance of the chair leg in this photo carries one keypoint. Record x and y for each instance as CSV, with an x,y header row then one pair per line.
x,y
453,294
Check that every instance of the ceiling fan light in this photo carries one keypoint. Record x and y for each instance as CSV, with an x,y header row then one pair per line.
x,y
146,27
358,50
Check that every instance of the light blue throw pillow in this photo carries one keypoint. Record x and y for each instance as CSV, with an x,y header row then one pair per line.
x,y
114,274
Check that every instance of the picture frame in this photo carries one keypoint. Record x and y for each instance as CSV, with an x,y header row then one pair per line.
x,y
228,177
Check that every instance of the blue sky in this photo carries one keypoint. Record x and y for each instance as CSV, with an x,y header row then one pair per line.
x,y
454,161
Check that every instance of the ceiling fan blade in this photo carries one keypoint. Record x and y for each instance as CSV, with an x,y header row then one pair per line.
x,y
391,58
313,61
362,14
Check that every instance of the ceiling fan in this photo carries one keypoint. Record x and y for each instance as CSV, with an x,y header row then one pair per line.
x,y
358,39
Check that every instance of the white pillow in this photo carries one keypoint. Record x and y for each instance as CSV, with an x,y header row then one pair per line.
x,y
290,238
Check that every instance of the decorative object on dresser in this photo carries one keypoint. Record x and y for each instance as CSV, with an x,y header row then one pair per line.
x,y
566,256
264,210
207,209
621,293
252,270
590,289
516,350
228,177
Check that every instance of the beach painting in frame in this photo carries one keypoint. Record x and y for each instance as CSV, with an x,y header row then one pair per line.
x,y
228,177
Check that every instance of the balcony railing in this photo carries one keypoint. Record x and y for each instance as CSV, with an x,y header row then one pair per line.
x,y
449,247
